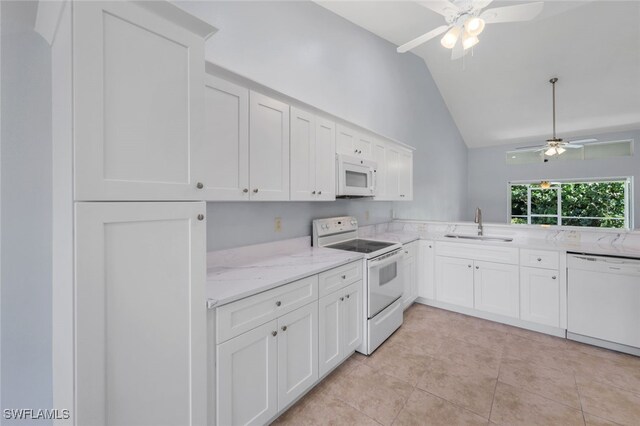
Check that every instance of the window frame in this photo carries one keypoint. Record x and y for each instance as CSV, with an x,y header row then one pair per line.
x,y
628,202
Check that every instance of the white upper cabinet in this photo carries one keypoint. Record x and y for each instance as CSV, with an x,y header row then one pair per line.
x,y
380,157
269,148
140,316
226,144
312,157
352,142
364,145
138,104
303,155
325,166
405,176
346,140
392,173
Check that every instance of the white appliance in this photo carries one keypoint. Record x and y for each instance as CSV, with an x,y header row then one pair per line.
x,y
355,177
382,281
604,301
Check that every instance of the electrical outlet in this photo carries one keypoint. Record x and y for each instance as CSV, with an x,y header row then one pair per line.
x,y
366,215
278,224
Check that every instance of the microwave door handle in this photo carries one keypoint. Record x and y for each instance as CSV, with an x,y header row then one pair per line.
x,y
387,260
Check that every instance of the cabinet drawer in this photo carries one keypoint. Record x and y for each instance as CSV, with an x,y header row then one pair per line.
x,y
340,277
245,314
540,259
488,253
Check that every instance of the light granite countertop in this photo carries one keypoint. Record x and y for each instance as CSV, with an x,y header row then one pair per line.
x,y
241,272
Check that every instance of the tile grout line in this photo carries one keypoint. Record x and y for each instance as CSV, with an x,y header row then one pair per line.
x,y
495,388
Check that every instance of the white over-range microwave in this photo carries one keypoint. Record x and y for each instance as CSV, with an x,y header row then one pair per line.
x,y
356,177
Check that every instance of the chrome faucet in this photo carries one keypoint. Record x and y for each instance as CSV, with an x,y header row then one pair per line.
x,y
478,220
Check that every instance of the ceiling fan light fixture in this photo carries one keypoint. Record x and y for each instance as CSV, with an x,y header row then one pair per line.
x,y
551,152
450,38
468,41
474,26
560,150
545,184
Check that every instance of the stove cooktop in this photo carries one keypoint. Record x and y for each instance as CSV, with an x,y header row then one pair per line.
x,y
361,246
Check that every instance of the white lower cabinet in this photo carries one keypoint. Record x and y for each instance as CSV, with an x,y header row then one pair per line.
x,y
297,353
410,274
454,281
263,370
340,325
485,286
540,296
140,317
247,375
426,269
496,288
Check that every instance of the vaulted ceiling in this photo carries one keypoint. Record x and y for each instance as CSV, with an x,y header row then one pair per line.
x,y
500,94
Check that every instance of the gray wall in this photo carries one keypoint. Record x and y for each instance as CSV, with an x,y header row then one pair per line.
x,y
489,175
309,53
26,211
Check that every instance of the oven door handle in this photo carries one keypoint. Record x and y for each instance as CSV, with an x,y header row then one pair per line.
x,y
386,259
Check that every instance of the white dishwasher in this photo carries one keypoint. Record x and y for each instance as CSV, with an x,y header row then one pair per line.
x,y
604,301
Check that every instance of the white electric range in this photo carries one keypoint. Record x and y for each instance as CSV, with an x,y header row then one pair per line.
x,y
382,283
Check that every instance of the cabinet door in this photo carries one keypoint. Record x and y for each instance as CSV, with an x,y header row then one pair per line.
x,y
540,296
406,176
454,281
345,140
352,317
426,269
297,353
247,372
325,166
268,148
364,145
497,288
303,155
392,174
226,145
138,104
330,345
140,315
409,276
379,156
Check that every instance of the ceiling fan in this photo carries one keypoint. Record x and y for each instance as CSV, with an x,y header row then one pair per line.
x,y
556,145
467,18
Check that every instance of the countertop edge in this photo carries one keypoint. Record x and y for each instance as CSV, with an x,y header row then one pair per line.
x,y
269,286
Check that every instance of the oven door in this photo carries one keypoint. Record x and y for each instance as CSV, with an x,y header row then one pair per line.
x,y
384,281
356,177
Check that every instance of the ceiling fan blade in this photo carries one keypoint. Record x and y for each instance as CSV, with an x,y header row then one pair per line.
x,y
590,140
481,4
572,146
422,39
442,7
520,12
532,146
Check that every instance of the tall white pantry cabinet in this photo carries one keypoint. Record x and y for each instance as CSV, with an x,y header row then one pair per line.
x,y
130,262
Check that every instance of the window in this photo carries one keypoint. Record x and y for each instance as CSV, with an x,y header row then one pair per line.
x,y
594,203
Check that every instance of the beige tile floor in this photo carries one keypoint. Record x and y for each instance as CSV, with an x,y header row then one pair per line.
x,y
443,368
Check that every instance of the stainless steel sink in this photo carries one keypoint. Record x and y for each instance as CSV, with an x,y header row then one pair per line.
x,y
479,237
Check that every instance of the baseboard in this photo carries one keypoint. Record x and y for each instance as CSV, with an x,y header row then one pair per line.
x,y
553,331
